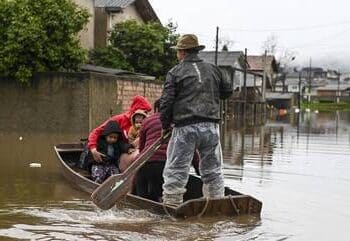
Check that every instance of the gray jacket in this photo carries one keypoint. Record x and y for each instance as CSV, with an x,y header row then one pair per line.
x,y
192,93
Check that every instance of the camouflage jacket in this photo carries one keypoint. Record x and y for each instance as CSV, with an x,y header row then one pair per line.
x,y
192,93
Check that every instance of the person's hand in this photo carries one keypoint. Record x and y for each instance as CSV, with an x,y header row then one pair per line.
x,y
96,155
131,150
136,143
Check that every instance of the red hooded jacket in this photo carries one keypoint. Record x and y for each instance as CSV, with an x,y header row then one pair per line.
x,y
124,120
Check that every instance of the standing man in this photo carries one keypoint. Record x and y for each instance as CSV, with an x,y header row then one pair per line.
x,y
191,102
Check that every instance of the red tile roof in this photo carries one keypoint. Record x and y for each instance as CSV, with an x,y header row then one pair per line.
x,y
256,62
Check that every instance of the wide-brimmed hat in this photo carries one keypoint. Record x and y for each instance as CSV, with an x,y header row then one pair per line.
x,y
188,41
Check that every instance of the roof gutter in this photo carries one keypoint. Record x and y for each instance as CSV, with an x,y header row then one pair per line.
x,y
113,9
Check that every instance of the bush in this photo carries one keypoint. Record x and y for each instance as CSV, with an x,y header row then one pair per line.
x,y
109,57
146,47
40,35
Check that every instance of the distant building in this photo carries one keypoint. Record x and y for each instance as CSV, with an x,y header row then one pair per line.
x,y
229,62
291,83
281,100
256,65
110,12
345,77
105,13
315,73
286,91
332,76
232,66
333,90
86,36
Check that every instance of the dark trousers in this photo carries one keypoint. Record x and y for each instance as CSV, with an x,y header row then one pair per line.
x,y
149,180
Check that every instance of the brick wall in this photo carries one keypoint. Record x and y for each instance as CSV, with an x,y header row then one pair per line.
x,y
112,95
127,89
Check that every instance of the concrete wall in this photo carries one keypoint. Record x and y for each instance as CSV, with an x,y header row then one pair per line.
x,y
53,102
68,102
87,35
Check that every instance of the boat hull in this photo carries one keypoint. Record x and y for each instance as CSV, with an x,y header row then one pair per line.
x,y
233,204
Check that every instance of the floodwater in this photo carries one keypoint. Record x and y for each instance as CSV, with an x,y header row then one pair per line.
x,y
298,166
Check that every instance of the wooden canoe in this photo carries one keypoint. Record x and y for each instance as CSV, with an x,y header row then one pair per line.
x,y
233,204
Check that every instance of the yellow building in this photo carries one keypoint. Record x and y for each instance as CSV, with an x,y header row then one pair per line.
x,y
87,35
106,13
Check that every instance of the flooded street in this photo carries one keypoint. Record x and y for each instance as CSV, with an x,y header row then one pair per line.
x,y
297,166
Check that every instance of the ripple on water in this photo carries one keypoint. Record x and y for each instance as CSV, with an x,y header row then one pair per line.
x,y
64,221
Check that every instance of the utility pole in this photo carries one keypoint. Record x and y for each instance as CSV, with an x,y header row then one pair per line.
x,y
263,91
309,72
338,92
300,91
216,45
245,85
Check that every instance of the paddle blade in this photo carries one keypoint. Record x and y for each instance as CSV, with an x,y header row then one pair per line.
x,y
117,186
112,189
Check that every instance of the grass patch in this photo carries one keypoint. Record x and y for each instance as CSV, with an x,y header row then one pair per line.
x,y
326,106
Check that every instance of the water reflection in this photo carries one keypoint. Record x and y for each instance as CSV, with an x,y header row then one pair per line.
x,y
299,168
21,184
297,165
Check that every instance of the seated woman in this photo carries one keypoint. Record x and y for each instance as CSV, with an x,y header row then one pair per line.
x,y
110,147
149,179
124,121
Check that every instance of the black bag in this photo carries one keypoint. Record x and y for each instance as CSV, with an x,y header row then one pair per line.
x,y
85,160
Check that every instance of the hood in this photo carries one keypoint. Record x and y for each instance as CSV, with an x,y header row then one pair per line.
x,y
139,103
140,112
111,127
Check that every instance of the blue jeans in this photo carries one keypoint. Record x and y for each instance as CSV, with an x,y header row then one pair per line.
x,y
204,137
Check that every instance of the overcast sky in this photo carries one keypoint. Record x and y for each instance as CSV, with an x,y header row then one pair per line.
x,y
312,28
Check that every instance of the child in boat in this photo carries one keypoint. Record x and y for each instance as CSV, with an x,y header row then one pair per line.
x,y
110,146
136,120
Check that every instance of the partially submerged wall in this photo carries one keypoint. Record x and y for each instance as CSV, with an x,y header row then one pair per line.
x,y
69,102
53,102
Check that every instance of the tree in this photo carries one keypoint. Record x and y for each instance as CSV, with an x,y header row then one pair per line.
x,y
146,47
226,42
39,36
270,44
110,57
224,48
284,56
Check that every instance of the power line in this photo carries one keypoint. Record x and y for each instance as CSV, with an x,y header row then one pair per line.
x,y
322,39
289,29
307,45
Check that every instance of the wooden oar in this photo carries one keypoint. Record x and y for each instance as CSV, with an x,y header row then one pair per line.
x,y
117,186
